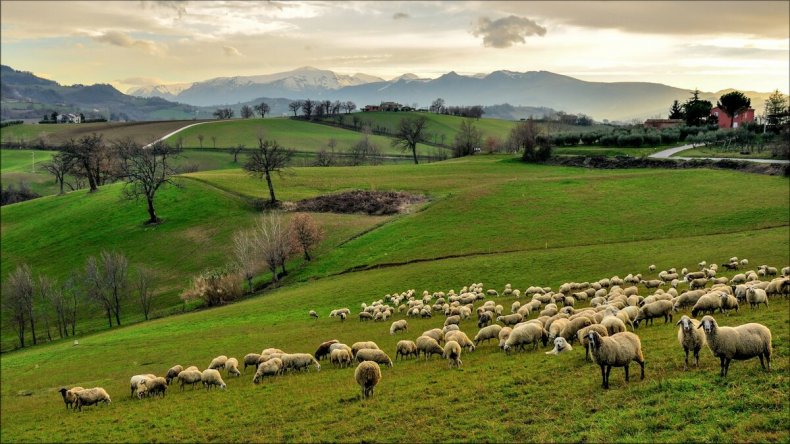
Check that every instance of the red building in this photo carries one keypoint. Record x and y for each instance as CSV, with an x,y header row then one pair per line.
x,y
726,122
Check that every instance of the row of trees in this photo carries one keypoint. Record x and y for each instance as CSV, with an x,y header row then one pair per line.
x,y
317,109
35,305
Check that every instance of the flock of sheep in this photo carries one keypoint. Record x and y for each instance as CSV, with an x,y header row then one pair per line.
x,y
601,328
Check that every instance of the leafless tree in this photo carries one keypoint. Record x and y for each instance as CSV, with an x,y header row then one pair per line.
x,y
107,282
467,140
94,286
143,286
45,289
350,106
307,108
365,150
60,166
223,113
17,301
235,151
295,106
274,242
247,112
245,248
146,170
262,109
59,304
410,132
90,157
304,233
73,293
269,158
214,141
200,139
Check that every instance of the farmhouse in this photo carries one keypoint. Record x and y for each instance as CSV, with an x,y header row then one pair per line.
x,y
371,108
740,118
662,123
68,118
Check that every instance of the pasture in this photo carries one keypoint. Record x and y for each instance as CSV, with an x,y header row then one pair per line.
x,y
59,134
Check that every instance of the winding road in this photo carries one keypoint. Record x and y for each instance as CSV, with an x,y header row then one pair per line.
x,y
178,131
667,153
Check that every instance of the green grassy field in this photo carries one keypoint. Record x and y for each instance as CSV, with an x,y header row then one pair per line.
x,y
143,132
712,151
295,134
607,151
17,167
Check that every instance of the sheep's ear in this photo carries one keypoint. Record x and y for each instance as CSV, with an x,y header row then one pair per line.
x,y
700,325
678,323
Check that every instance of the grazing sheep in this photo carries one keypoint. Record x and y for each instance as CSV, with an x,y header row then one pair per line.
x,y
357,346
91,396
342,317
218,363
613,325
367,375
340,357
189,376
708,303
428,346
135,380
584,339
436,333
560,346
232,366
652,267
251,359
728,302
530,333
211,377
323,350
654,310
365,316
573,326
742,342
272,367
504,333
654,283
406,348
299,361
510,320
690,338
555,327
448,328
172,373
452,352
397,326
152,387
756,296
377,356
617,350
484,319
461,338
487,333
452,320
69,396
313,314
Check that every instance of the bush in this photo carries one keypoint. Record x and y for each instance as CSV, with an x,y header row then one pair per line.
x,y
652,139
630,140
10,122
590,138
214,287
608,140
670,137
12,195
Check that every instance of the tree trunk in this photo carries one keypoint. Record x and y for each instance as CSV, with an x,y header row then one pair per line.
x,y
272,199
62,179
306,255
21,334
153,219
33,328
283,268
92,183
274,274
414,153
117,308
109,316
249,283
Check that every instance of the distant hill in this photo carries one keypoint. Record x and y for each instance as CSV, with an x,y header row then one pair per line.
x,y
27,96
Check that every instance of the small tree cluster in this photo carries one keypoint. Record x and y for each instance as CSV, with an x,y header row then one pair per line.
x,y
524,137
223,113
214,287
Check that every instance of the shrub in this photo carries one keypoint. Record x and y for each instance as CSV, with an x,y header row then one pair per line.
x,y
670,137
590,138
608,140
11,195
214,287
630,140
652,139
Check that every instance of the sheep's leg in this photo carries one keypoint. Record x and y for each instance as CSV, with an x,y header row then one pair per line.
x,y
608,370
721,372
768,358
603,376
642,365
762,362
686,365
696,358
626,372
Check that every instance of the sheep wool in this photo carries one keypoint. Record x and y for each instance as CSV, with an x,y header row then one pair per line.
x,y
740,343
323,349
399,326
272,367
189,376
428,346
690,338
375,355
367,375
218,363
232,366
452,352
211,377
617,350
91,396
69,396
172,373
406,348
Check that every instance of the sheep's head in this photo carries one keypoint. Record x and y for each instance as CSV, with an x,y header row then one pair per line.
x,y
708,324
594,338
685,323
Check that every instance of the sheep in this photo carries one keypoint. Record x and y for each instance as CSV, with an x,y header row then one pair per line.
x,y
342,317
728,302
786,271
529,333
484,319
654,283
708,303
367,375
560,346
251,359
690,338
504,334
461,338
340,357
688,277
487,333
189,376
573,326
357,346
299,361
323,350
556,327
172,373
617,350
452,320
232,366
613,325
756,296
151,387
406,348
428,346
377,356
652,267
135,380
69,396
313,314
218,363
365,316
91,396
211,377
448,328
688,299
742,342
452,352
272,367
510,320
514,307
654,310
397,326
584,340
436,333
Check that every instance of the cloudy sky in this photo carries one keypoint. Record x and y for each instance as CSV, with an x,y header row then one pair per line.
x,y
710,45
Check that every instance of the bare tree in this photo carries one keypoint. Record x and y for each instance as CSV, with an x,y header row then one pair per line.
x,y
17,301
143,286
245,248
273,241
350,107
235,151
94,285
247,112
146,170
223,113
262,109
467,140
200,138
58,302
89,156
295,106
60,166
73,294
45,290
107,282
410,132
307,108
214,141
437,106
305,233
365,150
270,157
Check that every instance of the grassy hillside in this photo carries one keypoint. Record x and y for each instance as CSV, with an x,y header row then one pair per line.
x,y
58,134
17,167
295,134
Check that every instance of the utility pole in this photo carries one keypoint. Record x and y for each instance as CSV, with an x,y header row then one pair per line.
x,y
34,161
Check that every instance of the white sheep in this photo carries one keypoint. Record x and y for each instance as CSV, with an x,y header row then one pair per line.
x,y
91,396
172,373
452,352
690,338
211,377
357,346
69,396
530,333
299,362
756,296
251,359
367,375
272,367
135,380
617,350
218,363
189,376
340,358
406,348
461,338
313,314
397,326
375,355
487,333
232,366
428,346
742,342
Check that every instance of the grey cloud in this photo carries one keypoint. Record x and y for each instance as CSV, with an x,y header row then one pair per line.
x,y
505,32
231,51
400,15
118,38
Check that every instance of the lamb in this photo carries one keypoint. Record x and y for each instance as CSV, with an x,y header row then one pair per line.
x,y
690,338
367,375
742,342
487,333
91,396
323,350
397,326
251,359
152,387
189,376
172,373
452,352
529,333
232,366
406,348
428,346
461,338
299,361
69,395
585,340
708,303
313,314
654,310
511,319
377,356
211,377
756,296
218,363
503,335
272,367
613,325
560,346
357,346
135,380
617,350
340,357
